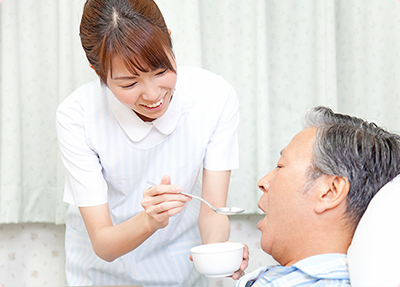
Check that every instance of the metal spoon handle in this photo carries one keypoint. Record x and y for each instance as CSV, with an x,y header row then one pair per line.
x,y
199,198
220,210
187,194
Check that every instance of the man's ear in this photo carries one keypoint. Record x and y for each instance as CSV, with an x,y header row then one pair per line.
x,y
333,194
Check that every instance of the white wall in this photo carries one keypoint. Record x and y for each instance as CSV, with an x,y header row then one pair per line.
x,y
32,254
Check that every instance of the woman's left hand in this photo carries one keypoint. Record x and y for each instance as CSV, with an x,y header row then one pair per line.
x,y
239,273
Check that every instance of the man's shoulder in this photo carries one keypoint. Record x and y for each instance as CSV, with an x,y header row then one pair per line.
x,y
316,271
325,266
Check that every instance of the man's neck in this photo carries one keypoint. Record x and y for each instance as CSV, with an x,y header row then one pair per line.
x,y
330,242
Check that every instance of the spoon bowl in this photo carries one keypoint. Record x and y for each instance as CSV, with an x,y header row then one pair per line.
x,y
219,210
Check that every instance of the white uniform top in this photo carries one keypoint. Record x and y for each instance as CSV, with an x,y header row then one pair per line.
x,y
110,153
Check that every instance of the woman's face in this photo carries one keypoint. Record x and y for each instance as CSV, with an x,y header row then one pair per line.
x,y
148,94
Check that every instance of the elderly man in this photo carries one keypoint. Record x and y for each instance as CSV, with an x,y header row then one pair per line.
x,y
315,197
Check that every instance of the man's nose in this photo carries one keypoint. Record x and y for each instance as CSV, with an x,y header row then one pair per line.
x,y
263,183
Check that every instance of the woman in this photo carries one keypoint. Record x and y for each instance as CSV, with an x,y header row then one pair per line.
x,y
145,119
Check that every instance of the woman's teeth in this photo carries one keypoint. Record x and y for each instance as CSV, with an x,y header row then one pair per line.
x,y
155,104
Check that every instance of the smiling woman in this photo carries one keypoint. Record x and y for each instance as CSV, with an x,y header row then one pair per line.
x,y
144,119
134,57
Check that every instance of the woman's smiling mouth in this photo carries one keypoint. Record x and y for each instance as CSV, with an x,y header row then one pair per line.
x,y
155,105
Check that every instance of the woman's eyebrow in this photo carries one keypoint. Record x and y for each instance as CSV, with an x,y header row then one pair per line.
x,y
124,78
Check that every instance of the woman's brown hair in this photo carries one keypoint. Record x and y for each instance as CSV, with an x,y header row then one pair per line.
x,y
133,30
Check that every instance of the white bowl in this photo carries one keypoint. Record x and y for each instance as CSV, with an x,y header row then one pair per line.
x,y
218,259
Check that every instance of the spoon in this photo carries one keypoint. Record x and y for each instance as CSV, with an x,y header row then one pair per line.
x,y
219,210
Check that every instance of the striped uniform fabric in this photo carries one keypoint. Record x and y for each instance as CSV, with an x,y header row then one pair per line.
x,y
316,271
104,163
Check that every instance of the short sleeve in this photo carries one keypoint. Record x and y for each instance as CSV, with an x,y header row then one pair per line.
x,y
222,150
84,181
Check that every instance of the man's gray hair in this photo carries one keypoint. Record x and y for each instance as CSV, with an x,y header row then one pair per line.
x,y
367,155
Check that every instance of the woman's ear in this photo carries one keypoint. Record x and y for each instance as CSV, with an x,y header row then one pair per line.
x,y
333,194
91,66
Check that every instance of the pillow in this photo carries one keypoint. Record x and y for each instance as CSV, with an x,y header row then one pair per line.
x,y
374,254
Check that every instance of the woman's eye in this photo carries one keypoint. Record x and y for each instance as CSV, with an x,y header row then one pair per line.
x,y
128,86
161,72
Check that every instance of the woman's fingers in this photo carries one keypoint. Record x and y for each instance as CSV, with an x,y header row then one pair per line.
x,y
163,201
238,274
245,262
164,206
162,219
159,214
162,189
161,196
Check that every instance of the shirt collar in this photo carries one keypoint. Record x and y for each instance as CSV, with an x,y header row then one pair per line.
x,y
325,266
135,127
322,266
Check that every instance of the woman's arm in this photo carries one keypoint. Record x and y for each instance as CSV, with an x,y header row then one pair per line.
x,y
214,227
110,242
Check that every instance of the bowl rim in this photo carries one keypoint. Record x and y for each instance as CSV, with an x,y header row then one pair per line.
x,y
195,248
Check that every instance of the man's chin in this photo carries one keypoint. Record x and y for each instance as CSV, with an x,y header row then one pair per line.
x,y
259,224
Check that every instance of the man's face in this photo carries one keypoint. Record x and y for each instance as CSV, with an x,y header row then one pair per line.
x,y
286,206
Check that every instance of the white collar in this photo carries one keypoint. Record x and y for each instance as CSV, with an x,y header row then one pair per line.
x,y
135,127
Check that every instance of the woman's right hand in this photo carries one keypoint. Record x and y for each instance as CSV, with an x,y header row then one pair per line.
x,y
162,201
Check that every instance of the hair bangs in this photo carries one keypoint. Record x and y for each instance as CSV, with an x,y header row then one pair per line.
x,y
140,49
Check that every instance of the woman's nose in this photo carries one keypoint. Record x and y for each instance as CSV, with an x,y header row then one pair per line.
x,y
150,92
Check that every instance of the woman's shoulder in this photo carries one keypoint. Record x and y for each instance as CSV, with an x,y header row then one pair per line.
x,y
199,72
91,88
87,89
75,101
201,87
199,79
